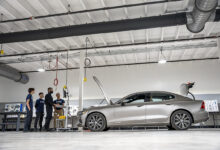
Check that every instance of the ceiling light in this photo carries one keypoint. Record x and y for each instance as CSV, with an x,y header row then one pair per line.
x,y
41,70
163,58
162,61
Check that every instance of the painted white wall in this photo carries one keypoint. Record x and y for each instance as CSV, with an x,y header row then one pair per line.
x,y
122,80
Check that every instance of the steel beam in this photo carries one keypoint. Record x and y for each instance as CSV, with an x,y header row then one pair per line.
x,y
100,27
95,28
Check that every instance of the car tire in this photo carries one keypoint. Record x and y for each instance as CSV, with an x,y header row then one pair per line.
x,y
106,129
181,120
170,127
96,122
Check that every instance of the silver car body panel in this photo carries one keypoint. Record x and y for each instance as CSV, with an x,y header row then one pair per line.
x,y
148,113
145,113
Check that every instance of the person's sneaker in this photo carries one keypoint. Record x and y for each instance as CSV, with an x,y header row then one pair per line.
x,y
35,129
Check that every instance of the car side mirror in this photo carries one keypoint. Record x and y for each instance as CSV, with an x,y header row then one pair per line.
x,y
122,103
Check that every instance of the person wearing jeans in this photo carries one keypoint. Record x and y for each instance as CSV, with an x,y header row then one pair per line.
x,y
39,105
29,109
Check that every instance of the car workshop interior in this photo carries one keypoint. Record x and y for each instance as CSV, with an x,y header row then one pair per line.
x,y
110,74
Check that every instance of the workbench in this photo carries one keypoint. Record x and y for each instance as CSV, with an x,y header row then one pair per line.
x,y
17,123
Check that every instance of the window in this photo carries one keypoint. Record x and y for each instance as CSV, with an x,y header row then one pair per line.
x,y
159,97
140,98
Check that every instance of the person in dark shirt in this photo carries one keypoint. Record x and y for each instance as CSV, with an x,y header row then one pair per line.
x,y
29,109
58,110
49,108
39,105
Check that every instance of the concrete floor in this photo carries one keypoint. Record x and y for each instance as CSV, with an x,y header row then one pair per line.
x,y
196,139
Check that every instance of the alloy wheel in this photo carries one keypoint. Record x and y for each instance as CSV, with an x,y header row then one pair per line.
x,y
182,120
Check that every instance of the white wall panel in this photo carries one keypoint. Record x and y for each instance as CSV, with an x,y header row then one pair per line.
x,y
119,81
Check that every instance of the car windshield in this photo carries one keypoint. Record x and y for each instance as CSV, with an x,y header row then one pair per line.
x,y
135,98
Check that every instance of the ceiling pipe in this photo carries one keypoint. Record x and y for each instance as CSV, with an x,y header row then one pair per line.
x,y
204,11
51,52
144,48
13,74
129,64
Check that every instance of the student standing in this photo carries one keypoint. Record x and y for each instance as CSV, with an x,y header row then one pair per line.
x,y
58,104
29,109
49,108
39,105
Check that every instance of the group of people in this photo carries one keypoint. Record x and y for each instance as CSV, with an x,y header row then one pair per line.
x,y
57,104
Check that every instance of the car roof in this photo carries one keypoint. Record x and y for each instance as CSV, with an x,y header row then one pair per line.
x,y
154,92
165,92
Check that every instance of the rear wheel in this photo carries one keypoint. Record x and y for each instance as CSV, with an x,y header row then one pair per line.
x,y
170,127
96,122
181,120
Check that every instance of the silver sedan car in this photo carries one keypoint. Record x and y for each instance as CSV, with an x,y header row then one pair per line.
x,y
152,108
146,108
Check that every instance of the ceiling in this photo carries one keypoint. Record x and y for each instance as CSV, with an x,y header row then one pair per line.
x,y
127,47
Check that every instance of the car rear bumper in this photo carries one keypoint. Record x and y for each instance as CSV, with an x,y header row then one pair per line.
x,y
202,116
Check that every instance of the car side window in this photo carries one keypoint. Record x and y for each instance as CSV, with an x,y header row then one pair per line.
x,y
159,97
139,98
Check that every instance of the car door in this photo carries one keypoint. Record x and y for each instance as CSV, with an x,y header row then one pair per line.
x,y
130,110
159,108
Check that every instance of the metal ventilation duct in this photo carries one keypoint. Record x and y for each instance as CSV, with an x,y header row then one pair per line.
x,y
13,74
203,11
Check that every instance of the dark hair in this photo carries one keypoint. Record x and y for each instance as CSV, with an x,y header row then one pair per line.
x,y
41,93
50,88
30,90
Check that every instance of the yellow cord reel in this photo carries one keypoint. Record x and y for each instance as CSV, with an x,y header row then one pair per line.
x,y
2,52
62,117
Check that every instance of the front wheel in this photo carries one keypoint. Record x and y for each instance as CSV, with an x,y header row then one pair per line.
x,y
96,122
181,120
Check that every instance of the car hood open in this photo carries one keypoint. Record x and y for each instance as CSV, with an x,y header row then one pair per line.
x,y
102,90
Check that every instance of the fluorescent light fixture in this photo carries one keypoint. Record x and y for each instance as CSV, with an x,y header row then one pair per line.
x,y
41,70
162,61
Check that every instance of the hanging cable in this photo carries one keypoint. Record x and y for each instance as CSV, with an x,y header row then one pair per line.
x,y
87,61
56,81
162,60
2,15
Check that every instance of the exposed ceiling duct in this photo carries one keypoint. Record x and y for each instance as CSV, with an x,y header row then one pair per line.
x,y
203,12
13,74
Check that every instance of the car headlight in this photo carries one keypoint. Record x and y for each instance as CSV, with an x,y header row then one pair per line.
x,y
84,112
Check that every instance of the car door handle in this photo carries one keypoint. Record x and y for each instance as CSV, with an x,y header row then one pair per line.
x,y
140,105
168,104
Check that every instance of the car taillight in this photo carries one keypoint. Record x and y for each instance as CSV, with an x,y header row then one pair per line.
x,y
203,105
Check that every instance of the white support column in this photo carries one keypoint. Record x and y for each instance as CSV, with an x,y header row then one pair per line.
x,y
218,43
81,79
